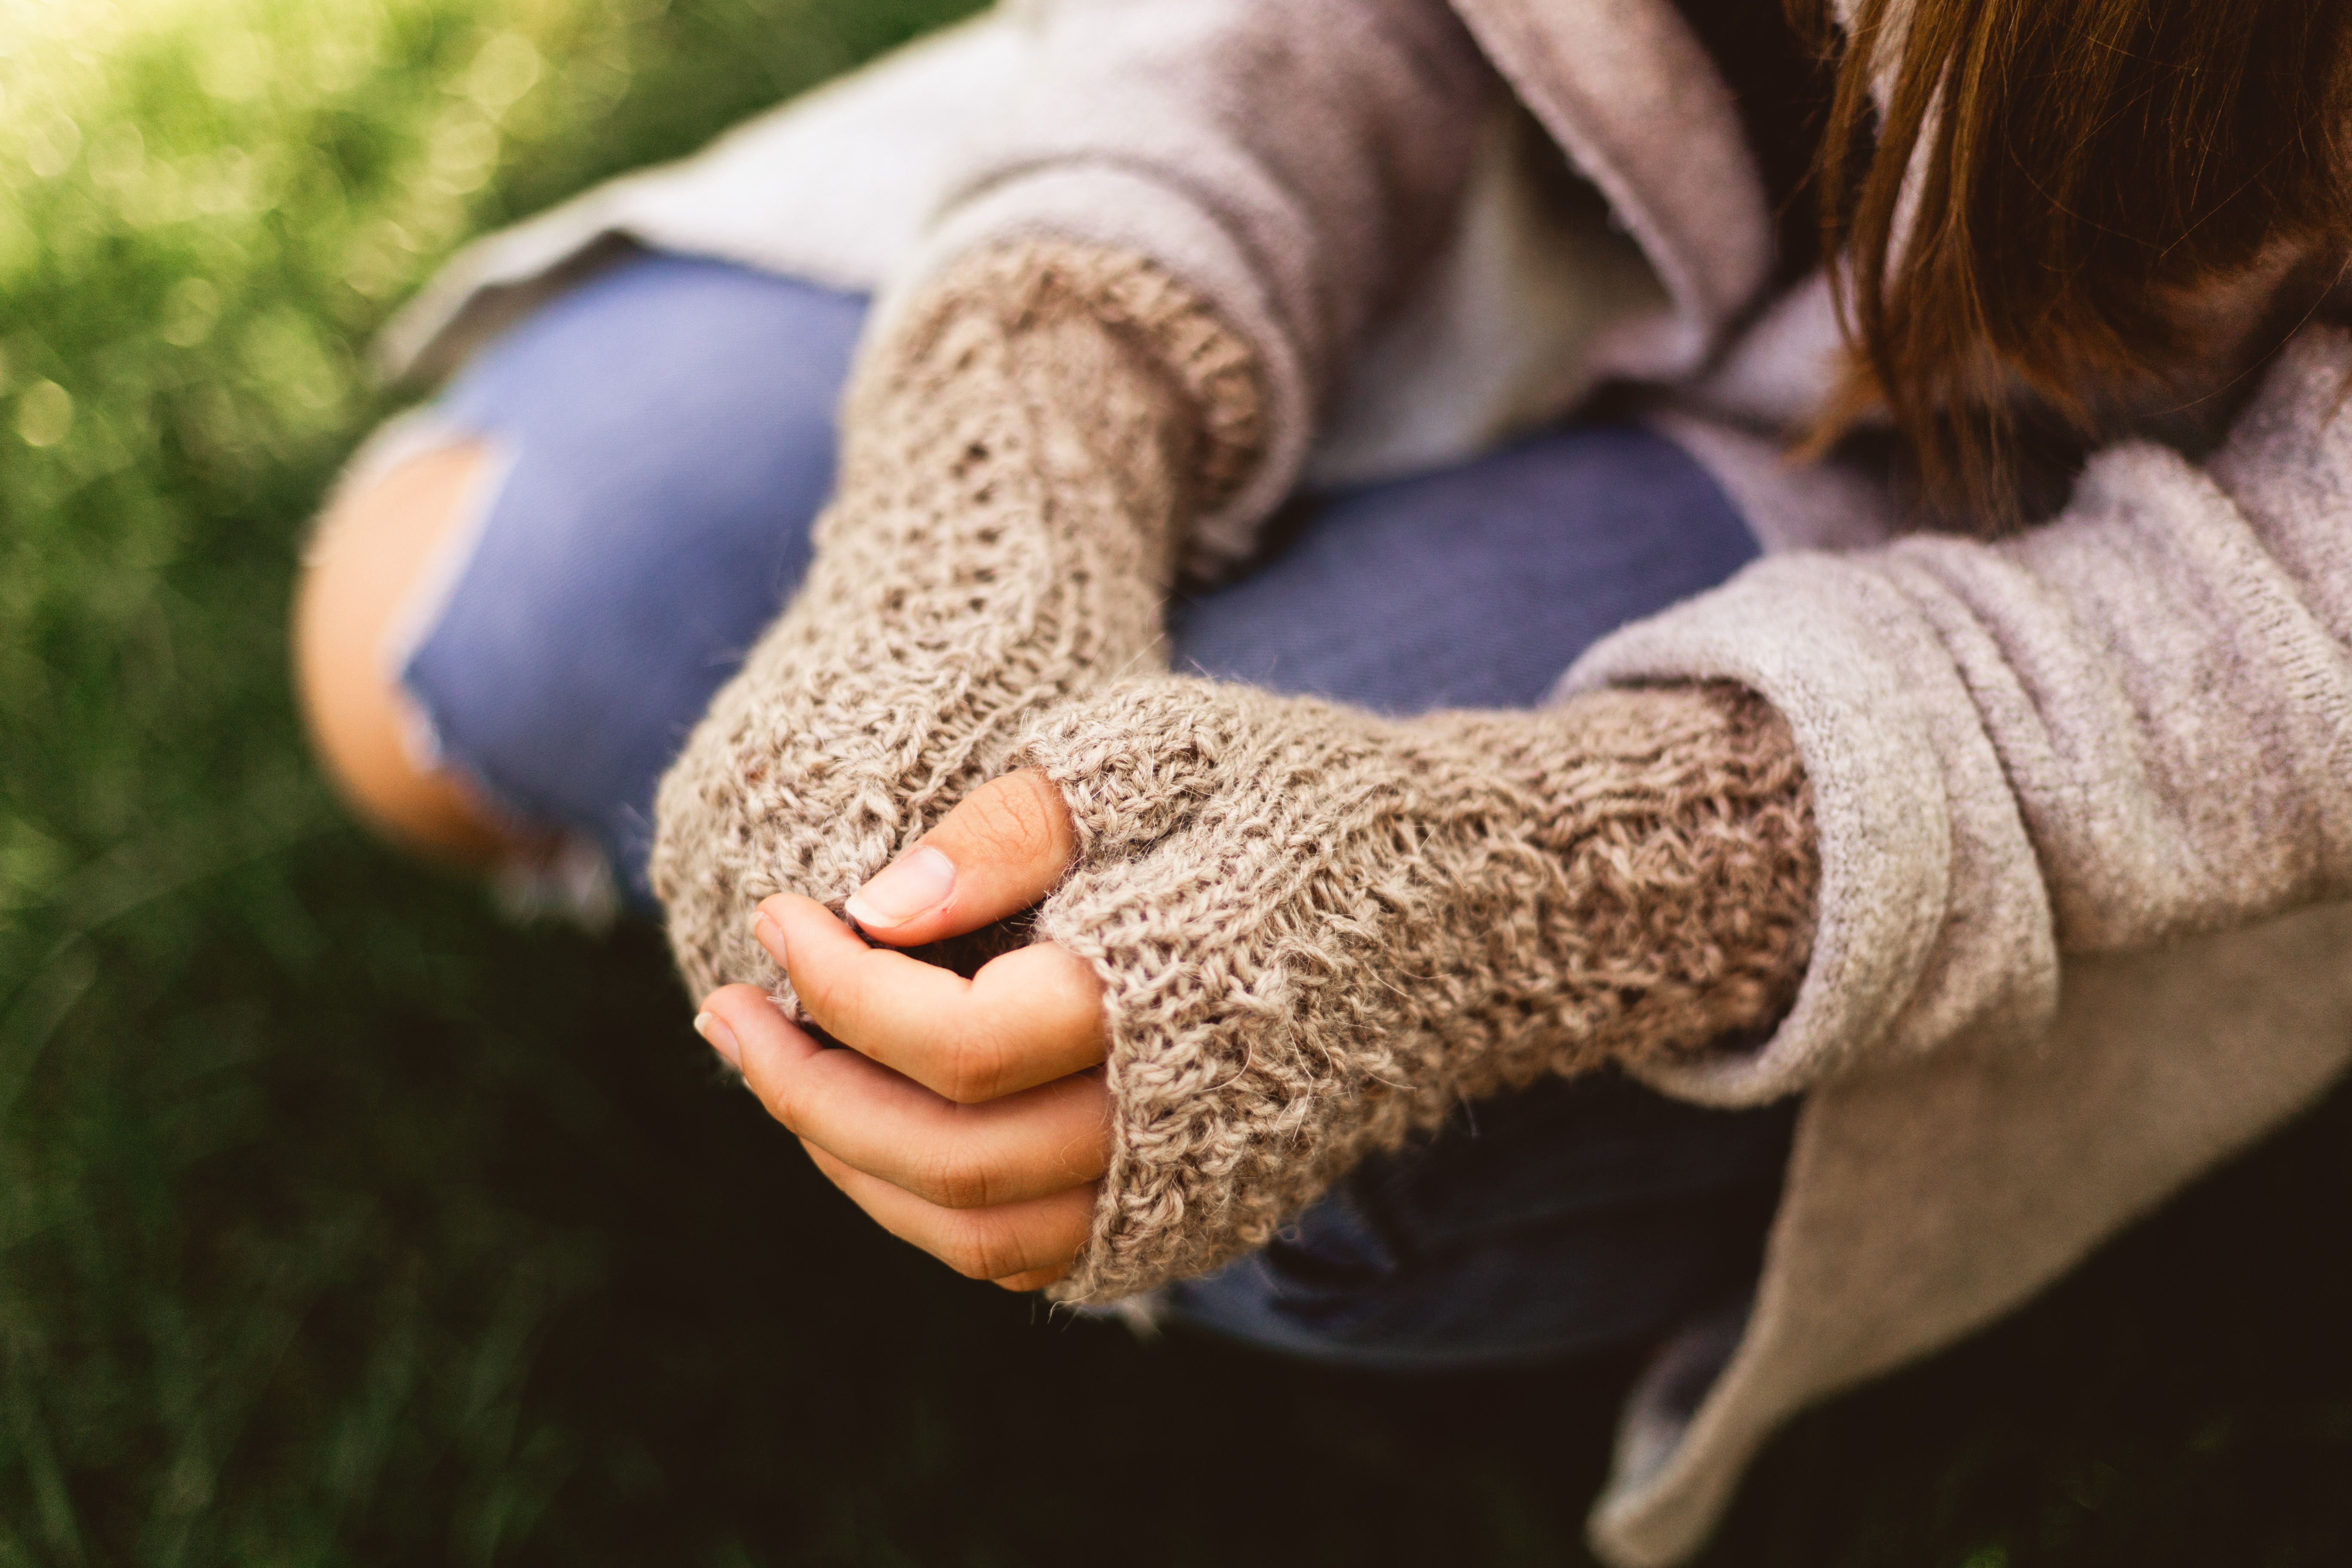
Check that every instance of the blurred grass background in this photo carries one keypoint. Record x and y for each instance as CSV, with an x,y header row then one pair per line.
x,y
342,1221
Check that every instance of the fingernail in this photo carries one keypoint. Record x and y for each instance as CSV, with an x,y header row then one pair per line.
x,y
916,883
713,1028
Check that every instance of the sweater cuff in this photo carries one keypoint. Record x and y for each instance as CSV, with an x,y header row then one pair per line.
x,y
1932,920
1118,209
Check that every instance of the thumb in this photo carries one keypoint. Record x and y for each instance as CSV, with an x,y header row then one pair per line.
x,y
996,854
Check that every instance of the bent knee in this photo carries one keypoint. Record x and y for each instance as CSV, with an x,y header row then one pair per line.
x,y
365,566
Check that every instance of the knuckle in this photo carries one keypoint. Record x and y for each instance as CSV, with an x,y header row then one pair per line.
x,y
954,1179
975,1063
1010,821
832,1000
814,989
782,1103
978,1251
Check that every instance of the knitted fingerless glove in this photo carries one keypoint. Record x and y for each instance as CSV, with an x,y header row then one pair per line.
x,y
1320,930
1018,455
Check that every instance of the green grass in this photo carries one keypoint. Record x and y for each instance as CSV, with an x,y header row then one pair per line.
x,y
340,1222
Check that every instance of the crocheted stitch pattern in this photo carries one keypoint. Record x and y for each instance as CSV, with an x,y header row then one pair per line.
x,y
1018,457
1320,930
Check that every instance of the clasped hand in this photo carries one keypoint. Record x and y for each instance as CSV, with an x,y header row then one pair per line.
x,y
969,1117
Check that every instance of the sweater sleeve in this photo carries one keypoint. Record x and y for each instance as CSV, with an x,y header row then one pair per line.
x,y
2129,726
1288,161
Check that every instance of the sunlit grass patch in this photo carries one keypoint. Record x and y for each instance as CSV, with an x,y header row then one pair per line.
x,y
262,1294
214,200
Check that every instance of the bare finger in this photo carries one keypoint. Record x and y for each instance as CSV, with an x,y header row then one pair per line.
x,y
733,1016
1028,1145
999,1243
1026,1018
998,852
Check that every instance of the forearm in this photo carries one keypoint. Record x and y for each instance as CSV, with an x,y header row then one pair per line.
x,y
1320,930
1020,454
1668,904
1293,162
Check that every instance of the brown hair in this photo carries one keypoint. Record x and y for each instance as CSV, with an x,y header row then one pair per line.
x,y
2082,164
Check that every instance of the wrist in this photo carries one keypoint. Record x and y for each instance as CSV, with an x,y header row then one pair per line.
x,y
1320,930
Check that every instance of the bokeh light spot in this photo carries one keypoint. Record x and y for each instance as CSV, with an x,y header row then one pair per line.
x,y
45,415
51,149
507,67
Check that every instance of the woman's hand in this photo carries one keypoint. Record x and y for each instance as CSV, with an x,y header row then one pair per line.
x,y
968,1117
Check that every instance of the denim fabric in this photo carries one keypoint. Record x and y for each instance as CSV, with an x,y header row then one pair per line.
x,y
668,432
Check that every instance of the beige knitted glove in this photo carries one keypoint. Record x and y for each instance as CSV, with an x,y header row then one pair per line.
x,y
1018,455
1321,930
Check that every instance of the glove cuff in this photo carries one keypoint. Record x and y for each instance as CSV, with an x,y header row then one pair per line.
x,y
1321,930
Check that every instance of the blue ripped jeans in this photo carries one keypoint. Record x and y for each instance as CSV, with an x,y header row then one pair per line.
x,y
664,434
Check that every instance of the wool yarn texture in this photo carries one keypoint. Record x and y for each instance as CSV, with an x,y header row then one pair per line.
x,y
1018,455
1321,930
1318,929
